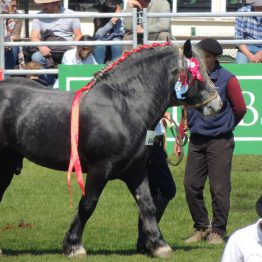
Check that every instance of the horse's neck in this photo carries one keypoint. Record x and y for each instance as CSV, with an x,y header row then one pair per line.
x,y
146,89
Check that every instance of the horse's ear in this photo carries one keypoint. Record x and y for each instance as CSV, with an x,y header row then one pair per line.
x,y
188,49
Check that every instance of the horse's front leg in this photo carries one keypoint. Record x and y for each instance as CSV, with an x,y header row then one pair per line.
x,y
94,186
155,242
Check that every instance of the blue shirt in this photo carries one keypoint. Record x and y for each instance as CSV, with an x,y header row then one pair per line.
x,y
110,31
248,27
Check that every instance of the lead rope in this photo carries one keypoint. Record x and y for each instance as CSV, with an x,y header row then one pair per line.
x,y
178,139
184,118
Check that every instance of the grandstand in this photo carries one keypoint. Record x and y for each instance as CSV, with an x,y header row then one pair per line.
x,y
183,27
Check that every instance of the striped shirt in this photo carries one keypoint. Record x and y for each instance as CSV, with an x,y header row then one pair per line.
x,y
248,27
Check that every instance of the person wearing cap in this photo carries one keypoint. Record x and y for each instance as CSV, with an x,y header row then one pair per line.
x,y
65,28
210,150
249,28
246,244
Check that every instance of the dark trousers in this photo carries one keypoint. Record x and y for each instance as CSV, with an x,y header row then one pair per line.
x,y
162,186
160,178
11,57
210,158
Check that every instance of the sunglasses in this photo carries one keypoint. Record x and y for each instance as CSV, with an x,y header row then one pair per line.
x,y
85,48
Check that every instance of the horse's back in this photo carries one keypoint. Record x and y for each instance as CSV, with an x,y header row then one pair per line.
x,y
34,120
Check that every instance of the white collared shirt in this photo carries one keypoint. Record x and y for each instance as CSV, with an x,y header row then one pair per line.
x,y
160,129
70,58
245,245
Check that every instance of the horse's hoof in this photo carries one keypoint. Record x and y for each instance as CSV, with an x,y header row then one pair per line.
x,y
163,252
1,252
79,252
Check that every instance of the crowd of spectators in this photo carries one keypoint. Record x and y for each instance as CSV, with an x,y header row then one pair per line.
x,y
69,29
108,29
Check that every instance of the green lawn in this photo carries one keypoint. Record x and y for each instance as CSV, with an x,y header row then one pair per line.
x,y
35,214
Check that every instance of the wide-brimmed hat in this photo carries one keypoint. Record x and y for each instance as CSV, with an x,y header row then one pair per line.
x,y
211,45
45,1
259,206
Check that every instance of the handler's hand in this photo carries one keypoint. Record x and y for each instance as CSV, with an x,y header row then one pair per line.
x,y
177,149
139,29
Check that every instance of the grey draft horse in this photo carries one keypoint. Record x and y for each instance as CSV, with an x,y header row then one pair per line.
x,y
123,103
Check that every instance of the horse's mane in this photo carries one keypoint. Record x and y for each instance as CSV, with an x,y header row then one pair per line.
x,y
156,47
130,54
134,54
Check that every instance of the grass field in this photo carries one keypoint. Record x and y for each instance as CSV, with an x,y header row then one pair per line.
x,y
35,214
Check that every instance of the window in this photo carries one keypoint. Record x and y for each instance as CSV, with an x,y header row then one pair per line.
x,y
28,5
193,6
234,5
76,5
85,5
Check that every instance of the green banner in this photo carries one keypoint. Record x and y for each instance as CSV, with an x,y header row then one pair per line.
x,y
248,134
73,77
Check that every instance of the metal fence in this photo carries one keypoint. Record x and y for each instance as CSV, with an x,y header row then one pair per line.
x,y
132,42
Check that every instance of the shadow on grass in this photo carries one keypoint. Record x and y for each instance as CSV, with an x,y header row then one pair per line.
x,y
121,252
191,247
101,252
11,252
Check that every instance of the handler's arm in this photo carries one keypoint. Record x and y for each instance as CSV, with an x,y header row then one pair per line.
x,y
236,99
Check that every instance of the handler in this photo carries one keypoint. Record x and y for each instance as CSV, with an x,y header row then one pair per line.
x,y
211,149
161,183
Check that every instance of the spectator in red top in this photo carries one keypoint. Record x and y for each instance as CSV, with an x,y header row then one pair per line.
x,y
211,149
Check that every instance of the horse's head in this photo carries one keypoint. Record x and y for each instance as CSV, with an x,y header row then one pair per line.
x,y
194,87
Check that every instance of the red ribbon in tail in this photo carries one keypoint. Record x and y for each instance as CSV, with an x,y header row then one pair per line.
x,y
74,156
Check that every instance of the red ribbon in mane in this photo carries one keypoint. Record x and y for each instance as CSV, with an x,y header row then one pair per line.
x,y
74,156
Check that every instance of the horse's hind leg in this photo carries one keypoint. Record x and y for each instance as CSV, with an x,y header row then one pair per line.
x,y
147,214
94,186
10,164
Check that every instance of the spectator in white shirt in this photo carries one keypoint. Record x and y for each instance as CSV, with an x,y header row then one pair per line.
x,y
245,245
81,55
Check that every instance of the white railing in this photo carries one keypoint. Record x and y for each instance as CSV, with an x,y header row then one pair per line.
x,y
4,44
132,42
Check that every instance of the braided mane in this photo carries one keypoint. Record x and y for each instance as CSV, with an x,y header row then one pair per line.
x,y
127,54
